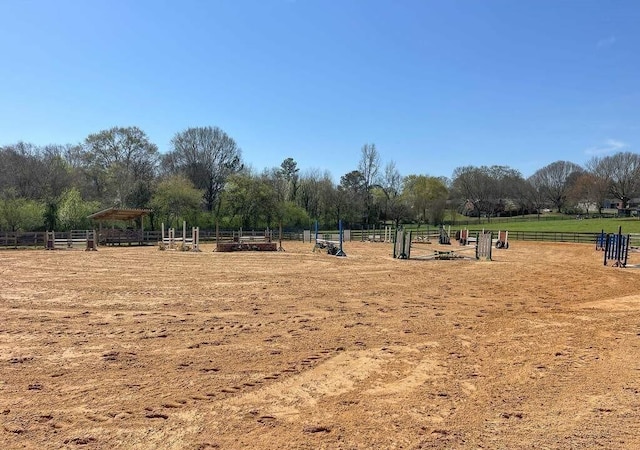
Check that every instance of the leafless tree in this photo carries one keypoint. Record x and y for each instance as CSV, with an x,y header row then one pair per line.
x,y
622,172
207,156
369,167
588,190
389,195
554,181
488,190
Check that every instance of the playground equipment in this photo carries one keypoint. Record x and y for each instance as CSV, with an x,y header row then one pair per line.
x,y
334,247
74,239
403,244
183,243
248,242
616,249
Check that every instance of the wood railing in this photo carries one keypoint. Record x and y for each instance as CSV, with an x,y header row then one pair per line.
x,y
20,239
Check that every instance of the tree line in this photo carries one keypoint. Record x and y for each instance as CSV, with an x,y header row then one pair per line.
x,y
203,179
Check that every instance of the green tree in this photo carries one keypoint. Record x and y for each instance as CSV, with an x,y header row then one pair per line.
x,y
252,199
289,172
19,213
73,211
115,160
294,216
350,199
175,199
32,213
50,215
427,197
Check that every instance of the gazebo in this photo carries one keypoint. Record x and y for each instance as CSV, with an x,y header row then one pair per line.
x,y
113,235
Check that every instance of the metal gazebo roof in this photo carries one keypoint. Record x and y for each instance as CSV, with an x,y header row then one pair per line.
x,y
120,214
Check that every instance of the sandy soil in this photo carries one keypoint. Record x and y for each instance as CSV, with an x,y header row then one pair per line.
x,y
136,348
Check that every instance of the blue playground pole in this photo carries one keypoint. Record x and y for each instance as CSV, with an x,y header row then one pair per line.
x,y
340,252
315,244
316,231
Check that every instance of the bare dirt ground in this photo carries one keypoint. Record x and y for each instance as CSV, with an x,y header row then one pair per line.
x,y
134,348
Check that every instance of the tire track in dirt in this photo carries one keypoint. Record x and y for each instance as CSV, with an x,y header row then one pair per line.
x,y
356,370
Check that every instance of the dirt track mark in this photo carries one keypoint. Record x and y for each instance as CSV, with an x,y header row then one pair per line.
x,y
619,304
332,377
425,370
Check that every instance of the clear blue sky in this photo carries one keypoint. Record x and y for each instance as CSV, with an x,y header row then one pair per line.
x,y
434,84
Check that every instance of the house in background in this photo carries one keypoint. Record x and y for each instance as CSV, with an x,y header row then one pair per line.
x,y
632,209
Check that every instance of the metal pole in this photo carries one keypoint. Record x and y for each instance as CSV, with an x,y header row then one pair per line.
x,y
340,252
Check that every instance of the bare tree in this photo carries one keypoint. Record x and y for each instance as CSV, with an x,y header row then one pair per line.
x,y
307,196
534,195
510,185
315,193
21,170
622,172
207,156
487,190
588,190
57,175
37,173
553,181
474,188
369,167
388,195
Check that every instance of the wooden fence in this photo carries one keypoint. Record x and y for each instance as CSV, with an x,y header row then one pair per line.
x,y
560,236
22,239
37,239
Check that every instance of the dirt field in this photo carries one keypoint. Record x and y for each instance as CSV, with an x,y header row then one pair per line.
x,y
137,348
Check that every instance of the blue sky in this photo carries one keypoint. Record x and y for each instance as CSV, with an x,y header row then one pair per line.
x,y
434,84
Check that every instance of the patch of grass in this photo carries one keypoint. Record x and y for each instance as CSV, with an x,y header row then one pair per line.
x,y
547,222
629,225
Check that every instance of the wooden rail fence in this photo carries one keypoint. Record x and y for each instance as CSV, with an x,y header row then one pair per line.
x,y
34,239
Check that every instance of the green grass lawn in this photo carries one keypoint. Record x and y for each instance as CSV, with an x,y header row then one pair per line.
x,y
573,225
629,225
